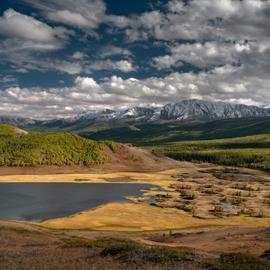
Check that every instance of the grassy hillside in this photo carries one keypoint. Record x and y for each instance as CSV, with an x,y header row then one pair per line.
x,y
35,148
250,151
170,132
239,142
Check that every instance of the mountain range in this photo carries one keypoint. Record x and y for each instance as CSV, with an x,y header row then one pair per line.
x,y
183,111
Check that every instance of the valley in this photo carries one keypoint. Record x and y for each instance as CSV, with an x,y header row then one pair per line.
x,y
134,135
207,196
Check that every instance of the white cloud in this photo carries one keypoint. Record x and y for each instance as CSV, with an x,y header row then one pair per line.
x,y
86,83
227,40
122,65
205,54
17,25
83,14
68,17
111,50
25,37
226,83
202,20
8,79
79,55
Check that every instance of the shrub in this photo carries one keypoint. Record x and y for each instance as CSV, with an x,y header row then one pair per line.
x,y
239,261
122,248
186,195
162,255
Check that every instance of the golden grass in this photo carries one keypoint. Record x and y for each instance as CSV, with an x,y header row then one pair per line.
x,y
163,178
143,217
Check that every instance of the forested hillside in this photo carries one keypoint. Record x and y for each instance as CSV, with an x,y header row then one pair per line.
x,y
250,151
18,148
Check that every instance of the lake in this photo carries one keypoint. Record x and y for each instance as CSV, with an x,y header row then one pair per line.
x,y
41,201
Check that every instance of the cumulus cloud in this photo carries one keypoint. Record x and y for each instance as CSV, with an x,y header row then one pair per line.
x,y
17,25
24,38
86,83
205,54
225,83
122,65
26,61
226,42
22,32
203,20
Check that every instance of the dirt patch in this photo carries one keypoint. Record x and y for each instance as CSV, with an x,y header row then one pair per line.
x,y
254,240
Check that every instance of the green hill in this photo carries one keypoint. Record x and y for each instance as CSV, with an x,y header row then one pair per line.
x,y
18,148
250,151
23,149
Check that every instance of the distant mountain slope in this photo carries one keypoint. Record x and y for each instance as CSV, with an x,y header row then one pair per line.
x,y
181,111
22,149
205,110
143,134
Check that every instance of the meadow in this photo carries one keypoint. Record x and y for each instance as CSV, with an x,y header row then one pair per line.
x,y
250,151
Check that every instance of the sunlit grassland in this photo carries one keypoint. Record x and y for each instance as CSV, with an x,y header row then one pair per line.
x,y
250,151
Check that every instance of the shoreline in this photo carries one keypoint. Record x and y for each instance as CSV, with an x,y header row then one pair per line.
x,y
134,216
141,217
161,178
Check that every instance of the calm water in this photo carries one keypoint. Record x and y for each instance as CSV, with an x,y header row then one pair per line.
x,y
41,201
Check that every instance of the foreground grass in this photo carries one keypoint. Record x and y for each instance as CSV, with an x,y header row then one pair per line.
x,y
251,151
21,249
130,251
238,261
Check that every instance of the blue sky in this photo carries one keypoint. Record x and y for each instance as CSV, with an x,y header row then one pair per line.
x,y
141,53
59,58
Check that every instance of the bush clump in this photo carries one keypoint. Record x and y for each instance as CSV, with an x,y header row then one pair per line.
x,y
239,261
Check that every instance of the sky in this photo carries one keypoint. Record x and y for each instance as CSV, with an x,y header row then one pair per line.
x,y
60,58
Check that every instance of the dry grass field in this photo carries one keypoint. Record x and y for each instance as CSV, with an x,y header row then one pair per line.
x,y
202,217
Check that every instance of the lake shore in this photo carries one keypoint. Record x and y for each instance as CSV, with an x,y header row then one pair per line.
x,y
134,217
161,178
138,215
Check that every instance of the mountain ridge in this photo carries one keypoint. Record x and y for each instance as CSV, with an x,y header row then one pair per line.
x,y
185,110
